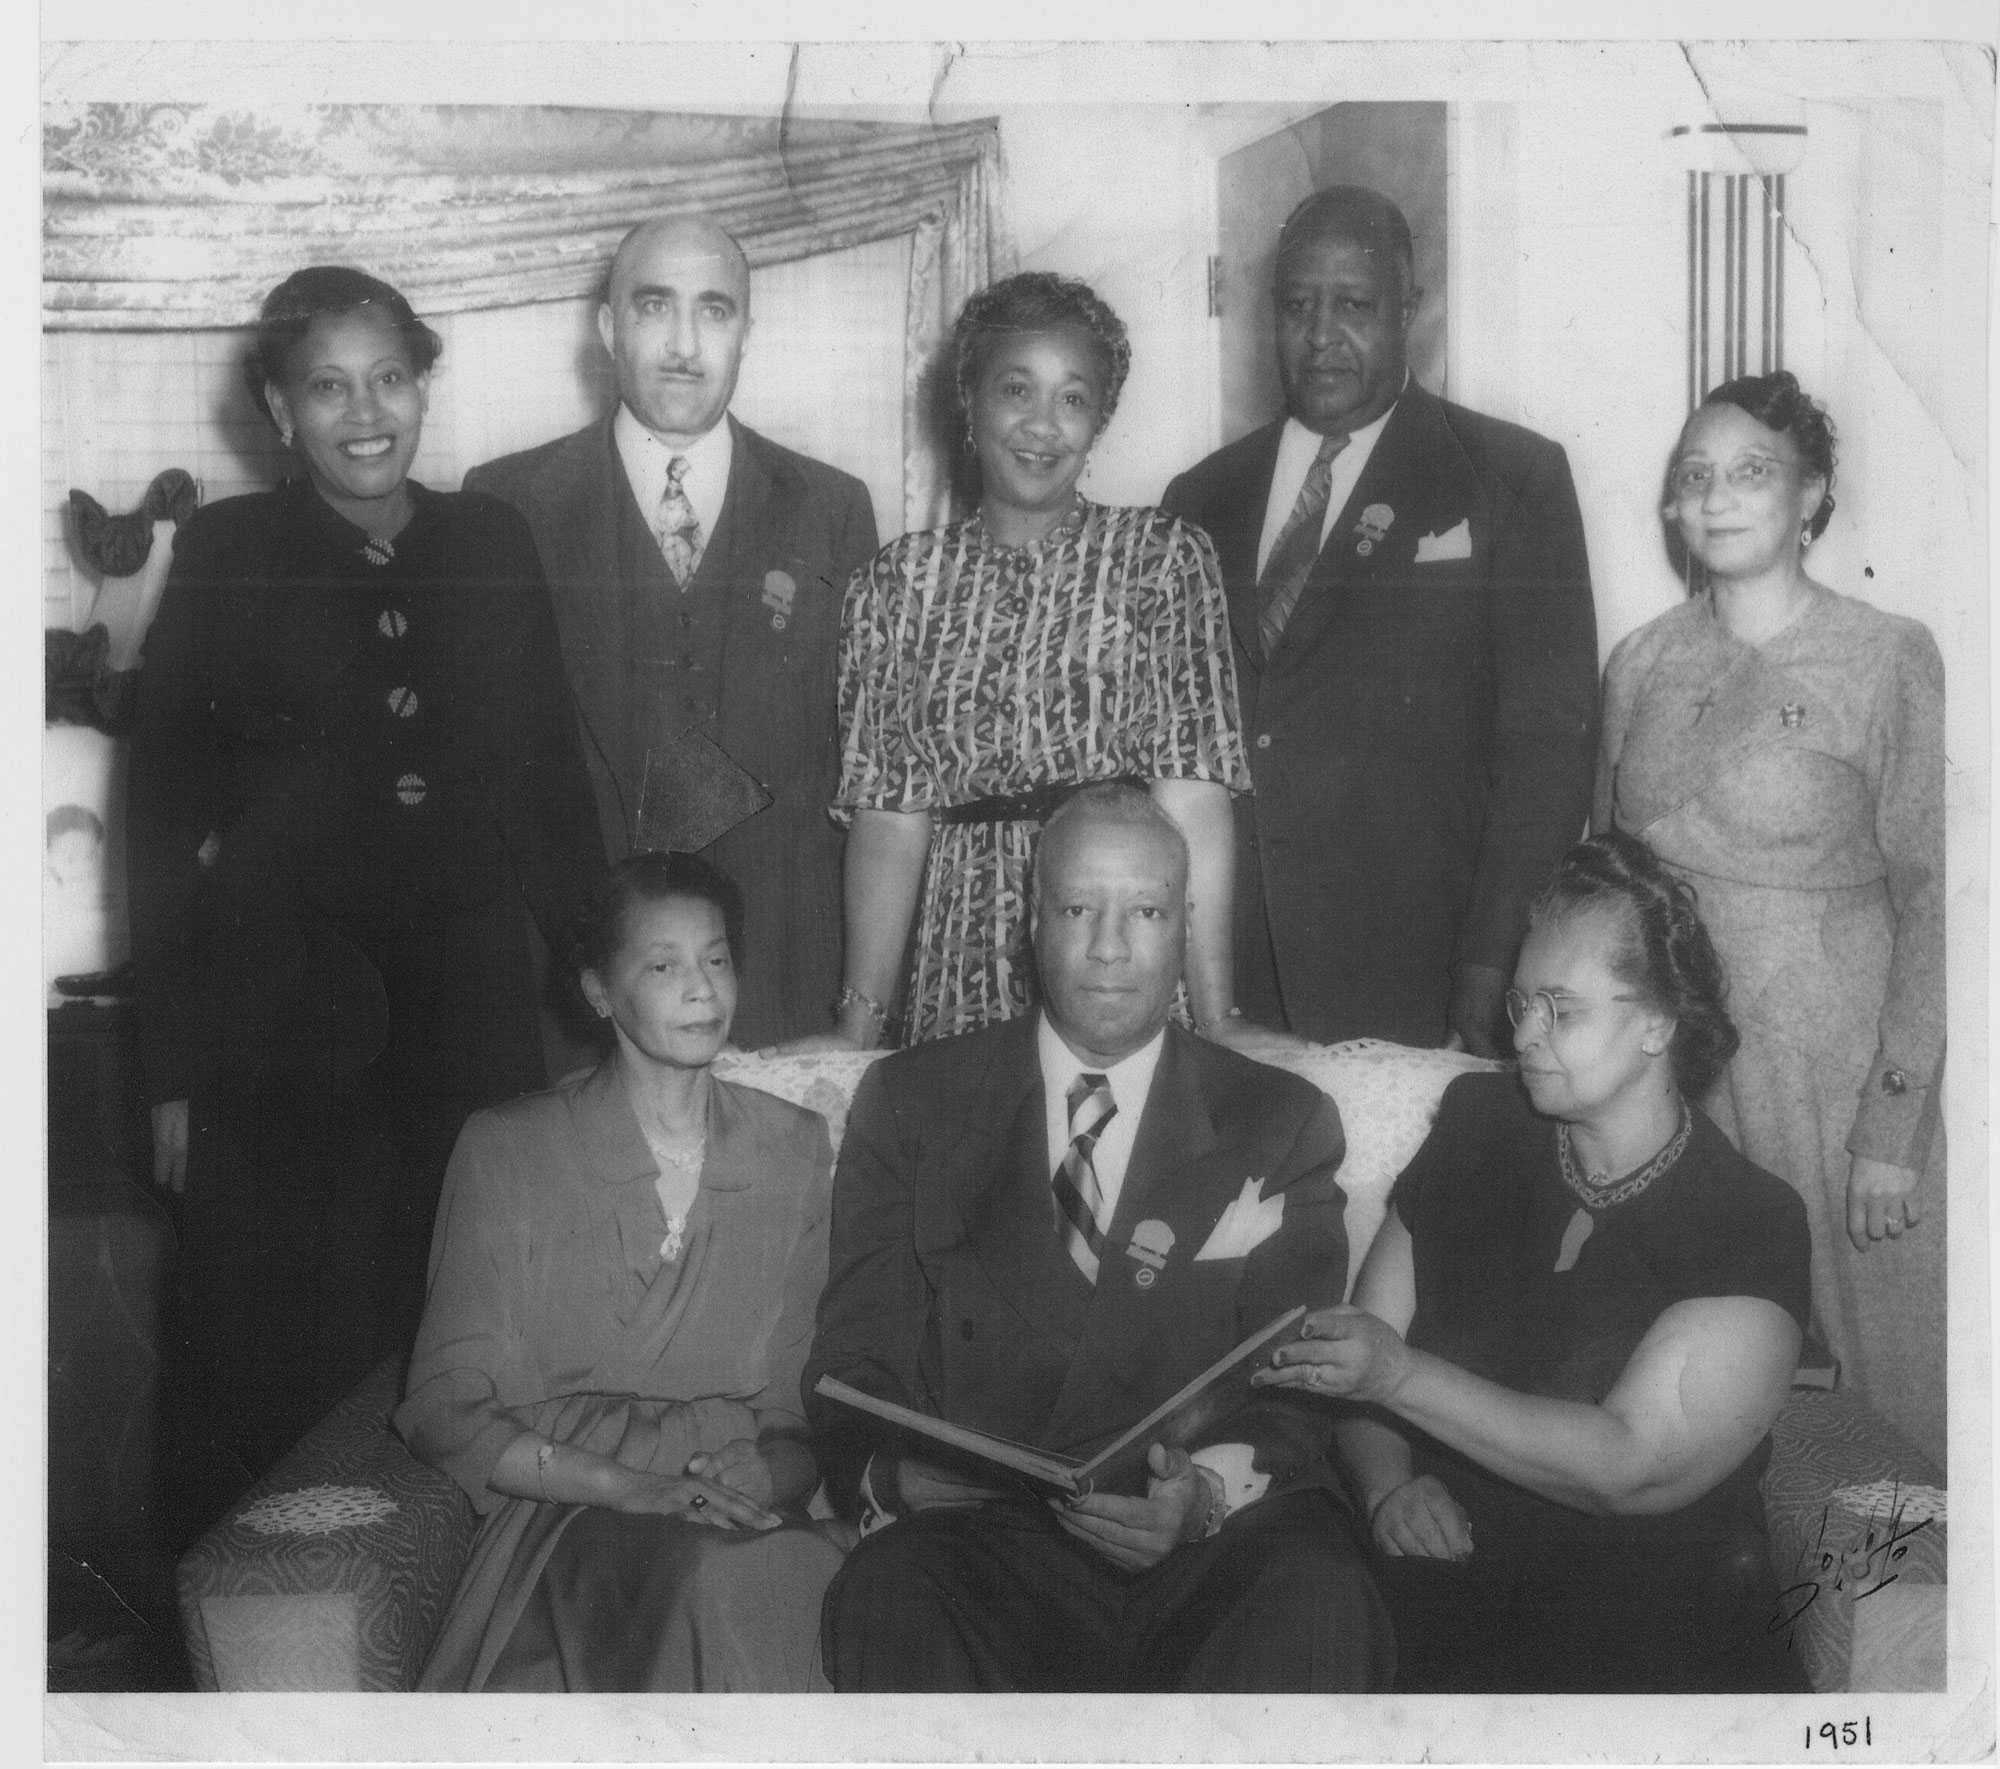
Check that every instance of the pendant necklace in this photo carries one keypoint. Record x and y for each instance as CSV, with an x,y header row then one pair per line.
x,y
683,1160
1596,1193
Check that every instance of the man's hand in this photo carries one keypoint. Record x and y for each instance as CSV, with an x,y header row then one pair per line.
x,y
1138,1533
1478,1024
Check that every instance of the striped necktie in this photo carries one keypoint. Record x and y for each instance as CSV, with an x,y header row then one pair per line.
x,y
1296,547
1079,1198
679,528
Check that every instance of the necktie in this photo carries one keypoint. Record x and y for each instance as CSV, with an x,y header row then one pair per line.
x,y
679,528
1078,1195
1296,547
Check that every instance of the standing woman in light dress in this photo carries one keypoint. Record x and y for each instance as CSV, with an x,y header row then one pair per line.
x,y
992,665
1782,747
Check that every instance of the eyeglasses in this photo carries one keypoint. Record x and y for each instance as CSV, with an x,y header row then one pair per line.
x,y
1691,479
1546,1012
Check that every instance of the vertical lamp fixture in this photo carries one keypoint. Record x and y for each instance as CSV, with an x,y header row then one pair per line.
x,y
1736,243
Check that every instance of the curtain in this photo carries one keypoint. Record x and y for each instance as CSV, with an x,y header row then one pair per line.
x,y
180,217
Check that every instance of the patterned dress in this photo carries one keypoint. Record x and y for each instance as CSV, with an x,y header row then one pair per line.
x,y
970,671
1799,784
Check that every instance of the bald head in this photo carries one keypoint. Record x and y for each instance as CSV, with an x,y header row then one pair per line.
x,y
675,319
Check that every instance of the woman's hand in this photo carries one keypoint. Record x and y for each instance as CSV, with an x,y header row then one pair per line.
x,y
1881,1201
695,1500
1422,1520
740,1466
170,1144
1344,1351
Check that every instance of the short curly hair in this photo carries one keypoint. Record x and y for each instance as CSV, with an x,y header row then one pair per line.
x,y
1663,952
1778,402
314,293
1038,301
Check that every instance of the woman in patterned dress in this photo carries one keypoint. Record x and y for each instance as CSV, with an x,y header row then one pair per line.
x,y
987,666
1782,747
355,777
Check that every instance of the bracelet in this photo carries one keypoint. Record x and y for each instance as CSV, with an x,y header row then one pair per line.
x,y
1234,1013
543,1452
853,997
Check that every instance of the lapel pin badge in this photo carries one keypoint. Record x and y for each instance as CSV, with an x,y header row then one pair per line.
x,y
1792,715
1373,528
1152,1241
780,588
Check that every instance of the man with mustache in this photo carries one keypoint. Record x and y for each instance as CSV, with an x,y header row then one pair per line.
x,y
1416,655
696,569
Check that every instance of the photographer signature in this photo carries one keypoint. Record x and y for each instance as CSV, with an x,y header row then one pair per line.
x,y
1863,1566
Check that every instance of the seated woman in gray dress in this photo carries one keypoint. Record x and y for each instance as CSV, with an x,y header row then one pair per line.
x,y
1575,1330
622,1288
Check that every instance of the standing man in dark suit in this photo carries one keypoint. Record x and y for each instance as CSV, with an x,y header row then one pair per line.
x,y
1416,654
696,569
1042,1230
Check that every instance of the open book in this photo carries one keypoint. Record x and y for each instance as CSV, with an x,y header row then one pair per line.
x,y
1182,1418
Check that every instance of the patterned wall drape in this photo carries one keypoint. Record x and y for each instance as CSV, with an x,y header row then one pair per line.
x,y
178,217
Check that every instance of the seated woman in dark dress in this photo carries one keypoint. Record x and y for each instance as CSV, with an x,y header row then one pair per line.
x,y
1575,1329
622,1292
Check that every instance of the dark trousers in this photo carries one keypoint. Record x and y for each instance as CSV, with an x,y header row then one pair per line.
x,y
997,1597
1588,1619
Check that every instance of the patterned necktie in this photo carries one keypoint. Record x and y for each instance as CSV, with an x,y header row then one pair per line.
x,y
679,528
1078,1195
1296,547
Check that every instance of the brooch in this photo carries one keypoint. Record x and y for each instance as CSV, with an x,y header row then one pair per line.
x,y
1151,1243
779,590
1373,528
1791,715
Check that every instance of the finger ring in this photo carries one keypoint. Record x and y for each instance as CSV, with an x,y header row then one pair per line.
x,y
1318,1377
698,1502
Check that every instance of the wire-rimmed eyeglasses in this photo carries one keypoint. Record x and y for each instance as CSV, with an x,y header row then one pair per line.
x,y
1545,1012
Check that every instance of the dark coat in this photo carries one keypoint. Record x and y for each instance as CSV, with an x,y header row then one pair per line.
x,y
318,791
1422,740
950,1290
745,657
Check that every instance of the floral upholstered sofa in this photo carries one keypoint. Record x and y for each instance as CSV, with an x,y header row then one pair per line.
x,y
334,1571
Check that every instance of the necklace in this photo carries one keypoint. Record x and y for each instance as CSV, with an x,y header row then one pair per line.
x,y
680,1176
1595,1192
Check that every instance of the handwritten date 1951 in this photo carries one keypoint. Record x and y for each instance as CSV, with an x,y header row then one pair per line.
x,y
1832,1734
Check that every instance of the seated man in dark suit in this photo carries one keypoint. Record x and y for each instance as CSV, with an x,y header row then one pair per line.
x,y
1042,1230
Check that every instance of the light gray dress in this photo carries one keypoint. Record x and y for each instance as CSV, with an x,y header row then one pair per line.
x,y
552,1309
1799,785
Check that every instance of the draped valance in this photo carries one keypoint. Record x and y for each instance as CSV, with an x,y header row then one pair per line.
x,y
179,216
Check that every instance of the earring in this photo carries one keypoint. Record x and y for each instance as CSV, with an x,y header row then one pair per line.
x,y
285,436
1805,536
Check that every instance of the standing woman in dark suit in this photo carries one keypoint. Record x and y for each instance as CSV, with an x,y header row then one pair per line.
x,y
354,774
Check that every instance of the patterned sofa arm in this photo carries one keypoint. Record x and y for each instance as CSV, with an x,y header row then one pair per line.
x,y
334,1570
1857,1525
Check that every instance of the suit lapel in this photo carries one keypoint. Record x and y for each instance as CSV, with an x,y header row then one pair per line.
x,y
1237,527
1417,481
1169,1183
999,1176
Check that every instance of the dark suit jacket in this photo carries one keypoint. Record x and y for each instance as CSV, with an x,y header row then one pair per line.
x,y
746,657
950,1290
1421,742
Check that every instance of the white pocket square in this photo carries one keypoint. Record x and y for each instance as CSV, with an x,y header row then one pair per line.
x,y
1454,543
1250,1220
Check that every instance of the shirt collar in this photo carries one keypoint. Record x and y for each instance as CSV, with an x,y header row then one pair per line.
x,y
1131,1077
646,457
1298,437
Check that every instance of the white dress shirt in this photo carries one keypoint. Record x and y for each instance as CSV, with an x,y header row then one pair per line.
x,y
646,459
1297,447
